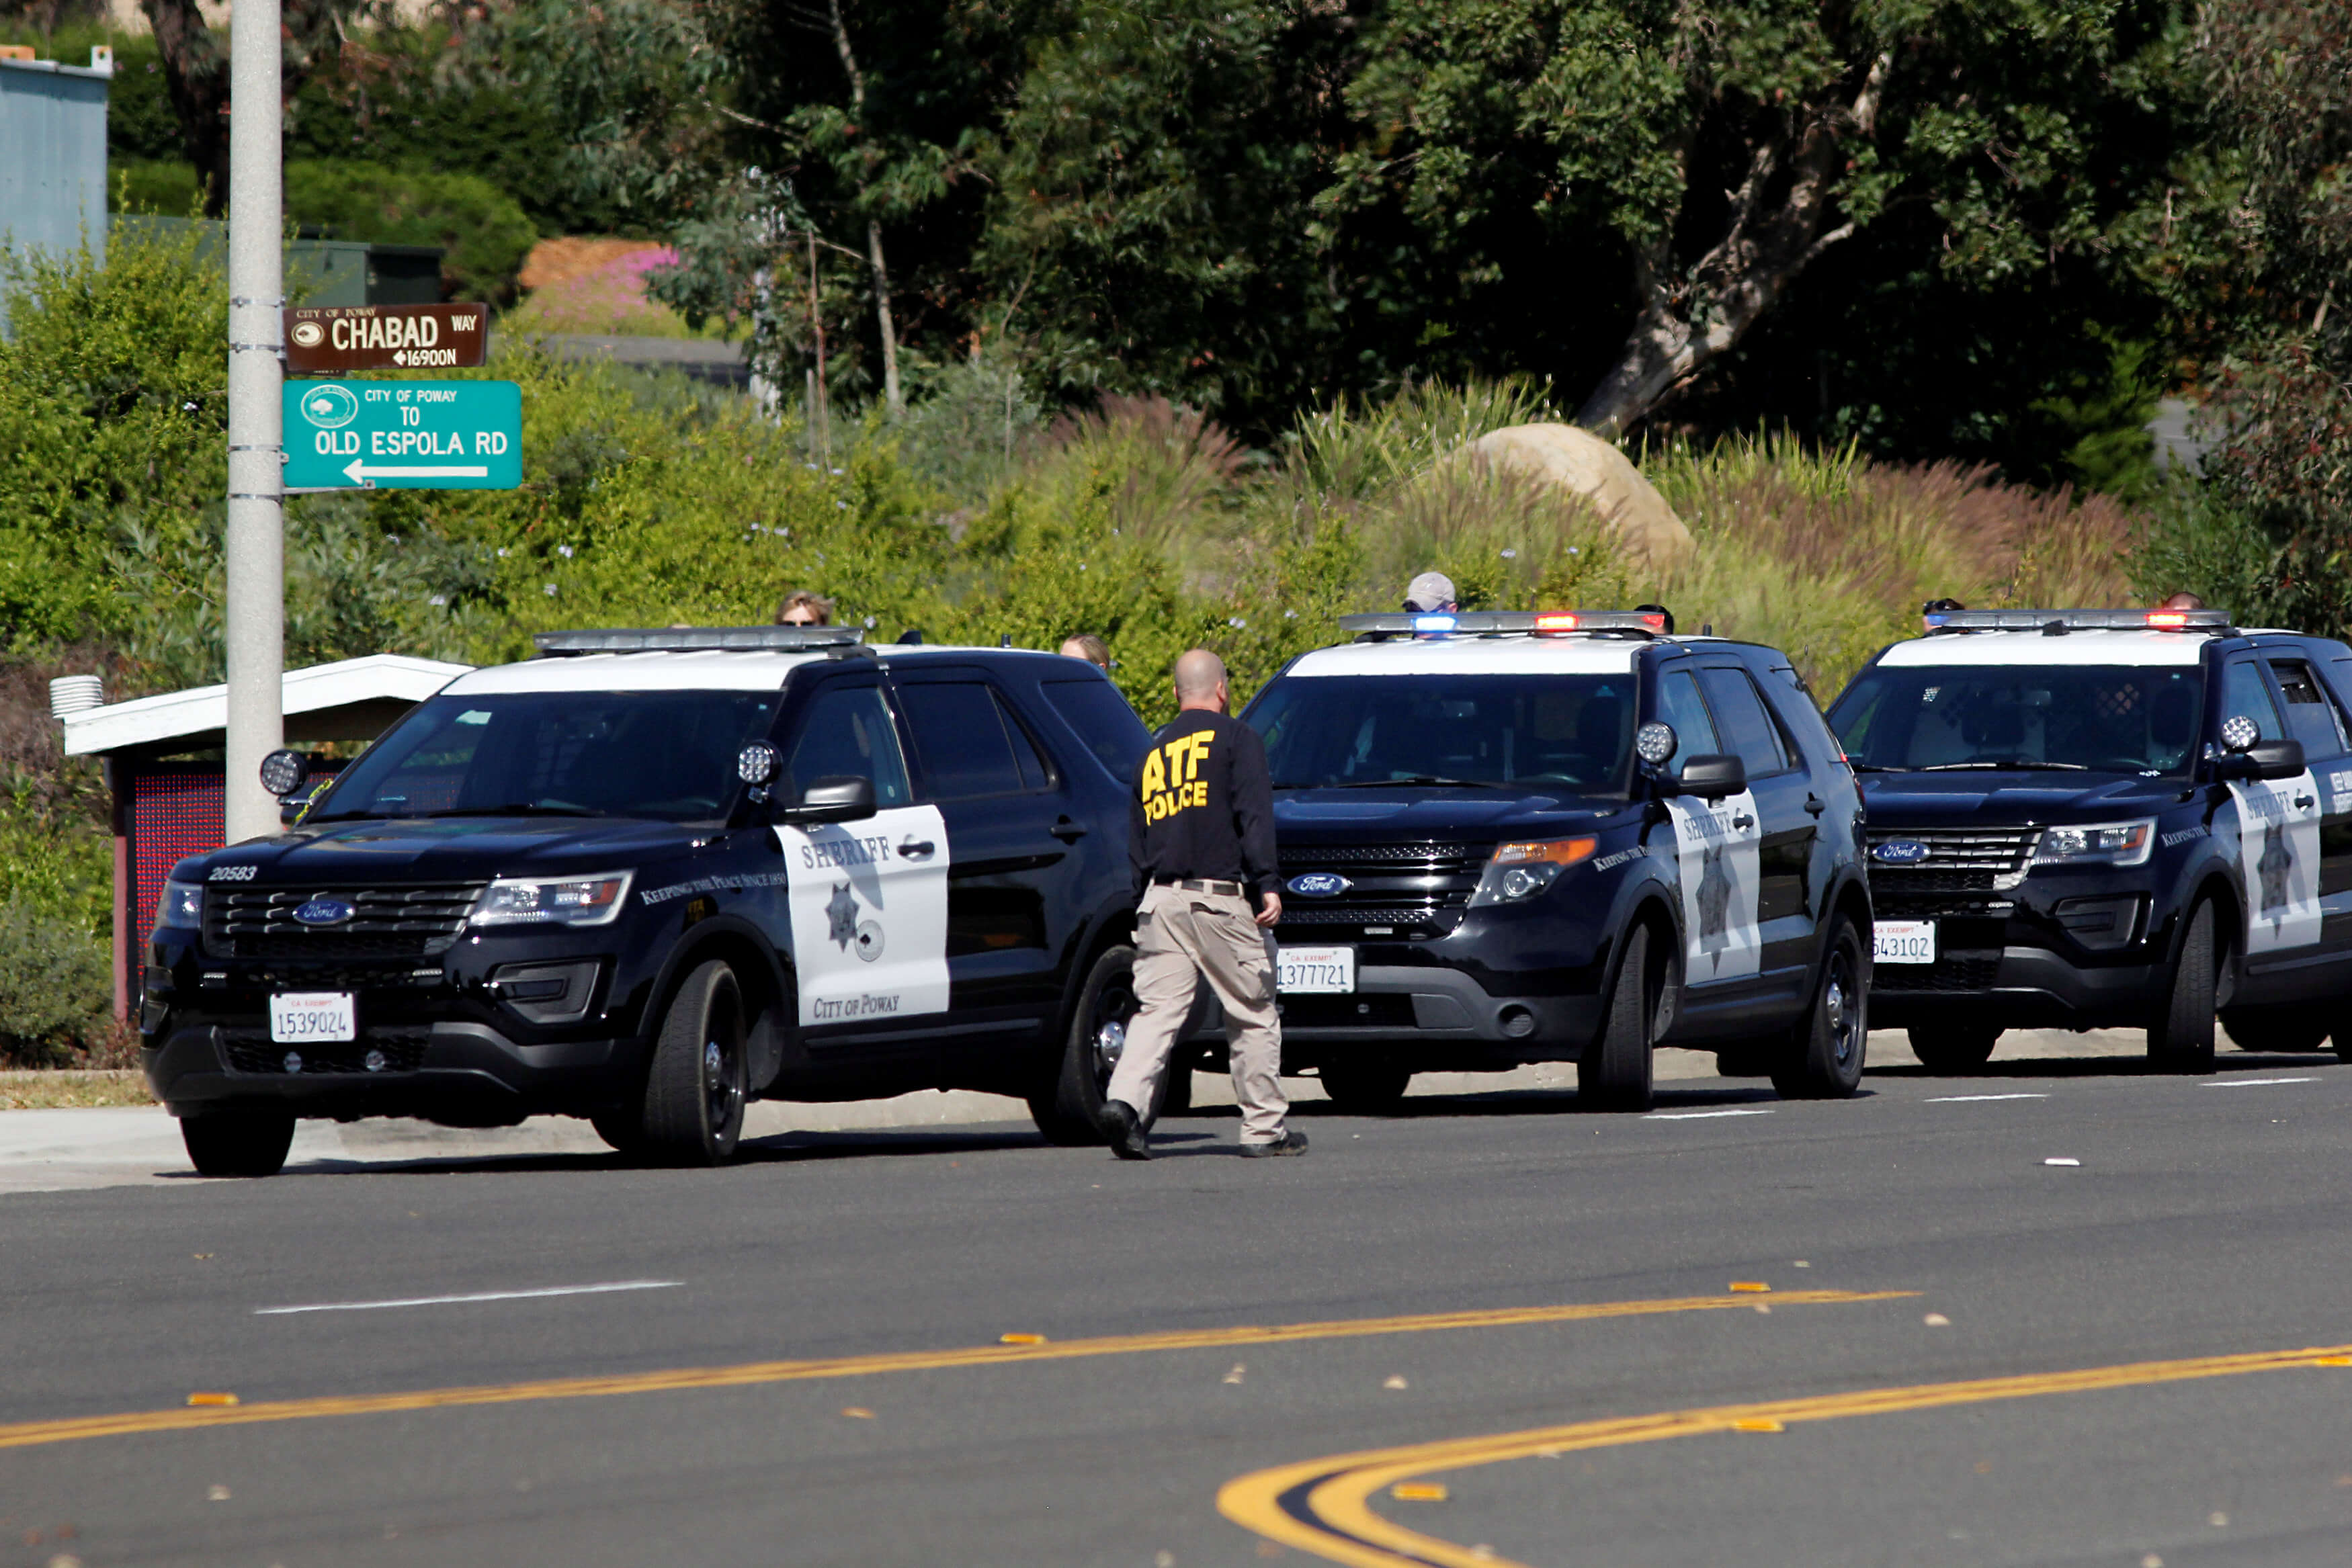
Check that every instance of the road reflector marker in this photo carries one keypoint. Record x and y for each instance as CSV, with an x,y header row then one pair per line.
x,y
857,1412
1395,1381
2062,1161
212,1399
1418,1492
1021,1339
1749,1285
1936,1320
1757,1424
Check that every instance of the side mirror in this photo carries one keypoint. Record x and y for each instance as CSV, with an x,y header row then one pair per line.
x,y
282,771
1711,775
2262,759
834,799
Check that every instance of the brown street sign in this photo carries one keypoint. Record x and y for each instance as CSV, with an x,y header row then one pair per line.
x,y
335,340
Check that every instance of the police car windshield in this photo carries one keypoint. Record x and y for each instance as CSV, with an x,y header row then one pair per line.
x,y
663,755
2102,719
1551,733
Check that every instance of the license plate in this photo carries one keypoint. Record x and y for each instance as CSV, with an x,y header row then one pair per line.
x,y
1308,969
1904,942
301,1017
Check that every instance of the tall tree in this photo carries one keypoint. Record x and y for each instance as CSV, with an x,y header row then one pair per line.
x,y
196,74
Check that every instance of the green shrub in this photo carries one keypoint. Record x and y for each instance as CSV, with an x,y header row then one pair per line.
x,y
152,185
55,986
485,233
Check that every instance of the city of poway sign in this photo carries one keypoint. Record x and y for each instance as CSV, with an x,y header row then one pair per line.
x,y
403,436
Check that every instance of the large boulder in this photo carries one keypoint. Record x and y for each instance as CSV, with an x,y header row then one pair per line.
x,y
1579,461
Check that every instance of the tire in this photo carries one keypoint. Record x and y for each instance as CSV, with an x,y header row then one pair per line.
x,y
1953,1049
1371,1085
695,1084
2181,1038
237,1143
1823,1058
1614,1072
2283,1030
1065,1109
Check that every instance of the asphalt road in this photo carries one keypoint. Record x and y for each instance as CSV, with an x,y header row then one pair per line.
x,y
1520,1314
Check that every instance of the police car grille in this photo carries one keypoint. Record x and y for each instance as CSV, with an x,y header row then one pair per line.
x,y
1958,971
252,1050
417,921
1389,885
1958,860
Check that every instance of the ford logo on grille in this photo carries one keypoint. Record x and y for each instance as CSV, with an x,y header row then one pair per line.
x,y
1320,884
1900,851
324,911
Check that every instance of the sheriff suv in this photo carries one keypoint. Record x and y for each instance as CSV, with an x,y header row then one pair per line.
x,y
650,876
1509,837
2098,817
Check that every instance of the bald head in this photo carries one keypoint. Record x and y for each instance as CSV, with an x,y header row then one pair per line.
x,y
1200,681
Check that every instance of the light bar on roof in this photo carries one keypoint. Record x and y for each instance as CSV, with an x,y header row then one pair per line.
x,y
1478,622
2077,620
697,640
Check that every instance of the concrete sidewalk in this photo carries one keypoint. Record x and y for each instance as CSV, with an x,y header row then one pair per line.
x,y
55,1151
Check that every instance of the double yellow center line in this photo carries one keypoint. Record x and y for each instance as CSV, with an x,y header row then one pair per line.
x,y
30,1434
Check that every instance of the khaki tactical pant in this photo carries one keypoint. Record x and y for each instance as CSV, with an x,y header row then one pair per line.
x,y
1178,935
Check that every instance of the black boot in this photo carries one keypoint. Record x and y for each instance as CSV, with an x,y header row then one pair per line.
x,y
1122,1131
1291,1141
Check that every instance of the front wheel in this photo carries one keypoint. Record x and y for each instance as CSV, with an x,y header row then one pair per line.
x,y
1065,1108
695,1086
1953,1049
1824,1058
1614,1071
2181,1038
241,1142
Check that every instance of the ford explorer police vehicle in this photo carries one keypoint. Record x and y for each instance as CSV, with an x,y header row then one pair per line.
x,y
650,876
1508,838
2086,819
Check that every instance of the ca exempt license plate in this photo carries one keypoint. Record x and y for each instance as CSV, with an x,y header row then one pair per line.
x,y
1315,970
300,1018
1904,941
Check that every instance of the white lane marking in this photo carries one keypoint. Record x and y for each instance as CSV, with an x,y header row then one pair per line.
x,y
2255,1082
477,1296
1974,1099
1693,1115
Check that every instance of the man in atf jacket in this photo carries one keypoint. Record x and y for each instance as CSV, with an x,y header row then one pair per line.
x,y
1203,843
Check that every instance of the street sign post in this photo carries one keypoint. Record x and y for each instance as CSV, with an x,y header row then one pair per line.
x,y
403,436
337,340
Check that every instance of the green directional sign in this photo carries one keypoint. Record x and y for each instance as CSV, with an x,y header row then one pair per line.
x,y
403,436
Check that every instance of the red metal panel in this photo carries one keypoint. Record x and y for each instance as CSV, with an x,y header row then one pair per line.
x,y
176,810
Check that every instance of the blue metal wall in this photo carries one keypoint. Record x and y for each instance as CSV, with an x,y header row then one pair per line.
x,y
53,155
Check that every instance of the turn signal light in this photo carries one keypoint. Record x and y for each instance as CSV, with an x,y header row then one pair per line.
x,y
1558,851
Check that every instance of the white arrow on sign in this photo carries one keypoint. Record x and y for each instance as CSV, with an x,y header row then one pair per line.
x,y
360,473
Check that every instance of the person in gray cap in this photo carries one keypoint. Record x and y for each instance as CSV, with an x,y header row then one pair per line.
x,y
1429,593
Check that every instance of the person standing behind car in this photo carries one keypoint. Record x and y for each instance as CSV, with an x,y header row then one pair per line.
x,y
802,608
1202,838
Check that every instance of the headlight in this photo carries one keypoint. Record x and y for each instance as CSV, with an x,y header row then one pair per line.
x,y
567,901
1521,871
182,905
2104,843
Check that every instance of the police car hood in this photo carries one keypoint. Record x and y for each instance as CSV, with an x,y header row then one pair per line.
x,y
1992,799
453,849
1412,811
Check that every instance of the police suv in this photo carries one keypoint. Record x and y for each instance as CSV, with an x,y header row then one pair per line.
x,y
1508,838
649,875
2085,818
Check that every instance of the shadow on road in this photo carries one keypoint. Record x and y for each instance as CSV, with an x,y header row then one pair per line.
x,y
2134,1066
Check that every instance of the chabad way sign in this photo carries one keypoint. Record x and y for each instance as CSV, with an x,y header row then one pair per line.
x,y
403,436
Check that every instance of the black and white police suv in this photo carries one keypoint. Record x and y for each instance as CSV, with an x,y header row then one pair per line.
x,y
2086,818
648,875
1508,838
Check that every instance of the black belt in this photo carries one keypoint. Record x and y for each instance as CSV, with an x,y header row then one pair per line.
x,y
1199,884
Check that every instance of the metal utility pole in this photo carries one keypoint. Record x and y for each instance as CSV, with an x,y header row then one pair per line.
x,y
254,617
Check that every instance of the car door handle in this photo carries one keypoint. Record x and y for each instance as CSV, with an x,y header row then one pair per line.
x,y
1068,832
1742,822
2304,802
917,850
1815,805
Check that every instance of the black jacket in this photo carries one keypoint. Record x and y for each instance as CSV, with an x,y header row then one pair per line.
x,y
1205,804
